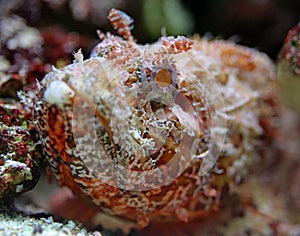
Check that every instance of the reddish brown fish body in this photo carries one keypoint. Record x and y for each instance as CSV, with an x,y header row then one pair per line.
x,y
157,131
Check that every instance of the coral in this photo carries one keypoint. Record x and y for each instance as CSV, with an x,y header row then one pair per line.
x,y
290,51
288,69
19,224
19,154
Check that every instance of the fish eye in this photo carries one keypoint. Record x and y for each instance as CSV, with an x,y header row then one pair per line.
x,y
164,77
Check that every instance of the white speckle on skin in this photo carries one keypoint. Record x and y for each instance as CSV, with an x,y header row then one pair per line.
x,y
59,93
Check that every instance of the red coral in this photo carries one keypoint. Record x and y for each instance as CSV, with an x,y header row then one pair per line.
x,y
291,49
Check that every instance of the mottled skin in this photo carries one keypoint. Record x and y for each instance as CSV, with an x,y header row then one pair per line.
x,y
210,95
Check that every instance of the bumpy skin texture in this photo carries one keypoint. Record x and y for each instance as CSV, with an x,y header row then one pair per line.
x,y
154,132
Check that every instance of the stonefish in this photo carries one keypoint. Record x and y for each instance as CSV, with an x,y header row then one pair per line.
x,y
155,132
